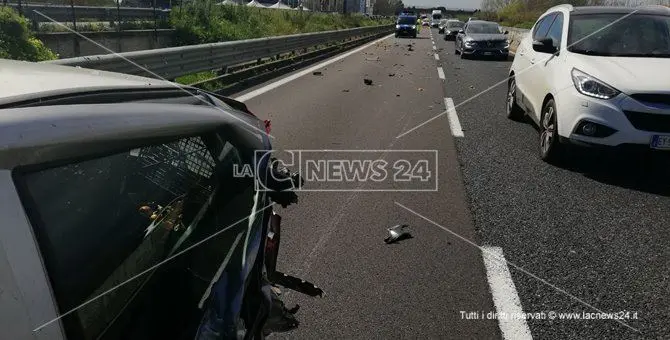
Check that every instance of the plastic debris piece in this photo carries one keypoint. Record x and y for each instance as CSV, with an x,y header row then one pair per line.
x,y
296,284
317,73
367,81
397,233
276,290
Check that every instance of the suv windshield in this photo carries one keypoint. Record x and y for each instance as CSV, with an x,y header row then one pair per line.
x,y
407,21
637,35
455,24
484,28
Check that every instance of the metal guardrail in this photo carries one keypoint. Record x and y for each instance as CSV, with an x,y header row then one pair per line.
x,y
173,62
62,13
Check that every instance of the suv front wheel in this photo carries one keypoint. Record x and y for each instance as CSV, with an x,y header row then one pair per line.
x,y
551,149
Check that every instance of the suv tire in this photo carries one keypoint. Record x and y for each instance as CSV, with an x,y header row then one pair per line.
x,y
514,112
551,149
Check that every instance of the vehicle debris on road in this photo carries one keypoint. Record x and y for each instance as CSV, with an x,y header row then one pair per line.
x,y
391,74
367,81
397,233
317,73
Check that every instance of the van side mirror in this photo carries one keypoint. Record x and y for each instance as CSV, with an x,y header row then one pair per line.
x,y
506,32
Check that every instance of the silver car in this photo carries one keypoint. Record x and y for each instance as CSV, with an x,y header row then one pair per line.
x,y
105,181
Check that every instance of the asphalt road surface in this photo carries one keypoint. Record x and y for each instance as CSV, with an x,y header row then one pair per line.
x,y
588,239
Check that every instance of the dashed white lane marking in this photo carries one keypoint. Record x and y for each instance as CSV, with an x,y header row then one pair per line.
x,y
437,57
454,123
440,73
504,294
280,82
434,48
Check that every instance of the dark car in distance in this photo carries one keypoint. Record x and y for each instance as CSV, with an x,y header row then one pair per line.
x,y
406,26
451,28
480,38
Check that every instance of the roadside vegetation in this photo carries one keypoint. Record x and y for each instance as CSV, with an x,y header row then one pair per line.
x,y
92,26
17,41
206,22
191,79
524,13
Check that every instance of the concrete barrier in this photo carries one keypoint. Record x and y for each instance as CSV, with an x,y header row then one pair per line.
x,y
63,43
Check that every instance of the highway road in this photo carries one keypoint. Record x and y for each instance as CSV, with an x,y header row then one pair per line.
x,y
592,238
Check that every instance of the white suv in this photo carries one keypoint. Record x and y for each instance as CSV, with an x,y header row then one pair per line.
x,y
595,76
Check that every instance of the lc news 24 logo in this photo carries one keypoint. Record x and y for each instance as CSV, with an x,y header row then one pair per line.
x,y
345,170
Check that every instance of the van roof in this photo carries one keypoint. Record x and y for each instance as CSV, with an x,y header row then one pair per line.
x,y
20,79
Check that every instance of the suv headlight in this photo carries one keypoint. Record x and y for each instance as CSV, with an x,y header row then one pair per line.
x,y
397,26
591,86
413,27
506,45
470,43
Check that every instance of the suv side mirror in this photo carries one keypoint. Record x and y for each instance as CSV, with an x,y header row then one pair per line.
x,y
461,31
544,45
506,32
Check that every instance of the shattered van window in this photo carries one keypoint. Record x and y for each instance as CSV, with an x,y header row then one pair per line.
x,y
106,220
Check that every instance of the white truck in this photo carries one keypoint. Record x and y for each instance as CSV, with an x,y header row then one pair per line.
x,y
435,18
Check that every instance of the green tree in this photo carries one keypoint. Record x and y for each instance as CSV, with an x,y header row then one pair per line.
x,y
16,40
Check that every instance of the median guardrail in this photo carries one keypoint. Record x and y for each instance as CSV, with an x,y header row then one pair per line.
x,y
173,62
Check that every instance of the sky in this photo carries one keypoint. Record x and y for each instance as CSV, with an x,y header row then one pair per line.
x,y
446,3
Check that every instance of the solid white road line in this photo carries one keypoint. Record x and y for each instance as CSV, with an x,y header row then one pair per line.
x,y
505,296
437,57
440,72
306,71
454,123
